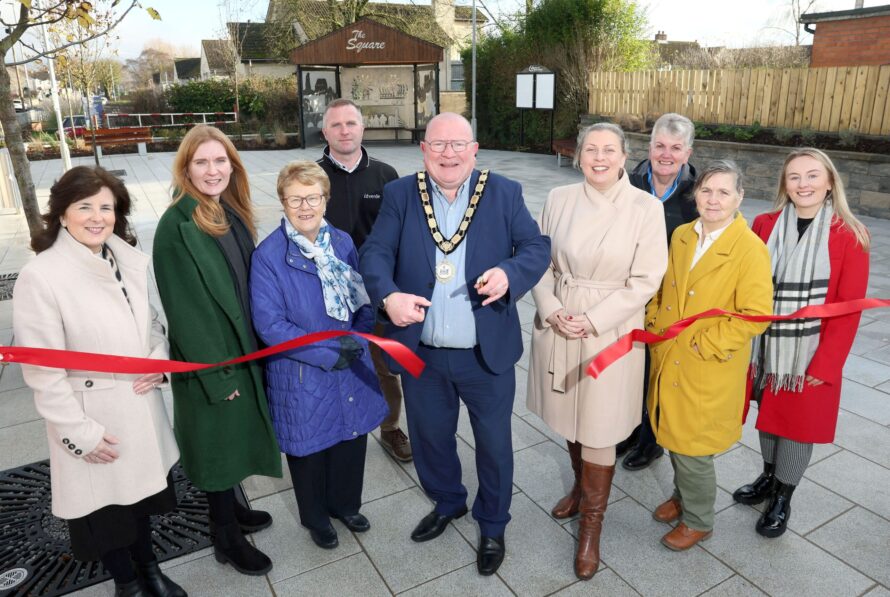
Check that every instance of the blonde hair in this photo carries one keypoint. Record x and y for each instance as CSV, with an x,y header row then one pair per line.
x,y
209,216
837,194
305,173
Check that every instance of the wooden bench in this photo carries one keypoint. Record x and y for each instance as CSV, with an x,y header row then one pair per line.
x,y
127,135
564,148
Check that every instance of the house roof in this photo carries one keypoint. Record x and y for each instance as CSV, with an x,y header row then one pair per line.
x,y
187,68
252,38
313,19
217,52
670,51
844,15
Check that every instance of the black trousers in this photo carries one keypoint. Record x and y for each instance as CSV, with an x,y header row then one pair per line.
x,y
647,436
329,483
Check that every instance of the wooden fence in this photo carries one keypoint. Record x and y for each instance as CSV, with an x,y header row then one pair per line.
x,y
823,99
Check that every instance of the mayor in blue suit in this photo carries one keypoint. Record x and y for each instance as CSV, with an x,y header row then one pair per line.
x,y
451,252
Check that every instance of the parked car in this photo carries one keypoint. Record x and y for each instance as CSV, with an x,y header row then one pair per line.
x,y
18,104
79,128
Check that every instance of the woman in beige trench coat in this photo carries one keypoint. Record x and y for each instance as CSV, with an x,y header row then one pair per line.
x,y
609,253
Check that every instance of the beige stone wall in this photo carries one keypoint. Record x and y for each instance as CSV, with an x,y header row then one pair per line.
x,y
453,101
866,176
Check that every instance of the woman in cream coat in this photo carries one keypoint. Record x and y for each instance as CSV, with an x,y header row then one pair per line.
x,y
608,255
110,442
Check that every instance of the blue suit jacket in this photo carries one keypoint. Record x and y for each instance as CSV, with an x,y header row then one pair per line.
x,y
399,256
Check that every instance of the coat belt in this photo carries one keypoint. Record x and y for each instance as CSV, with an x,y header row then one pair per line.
x,y
559,358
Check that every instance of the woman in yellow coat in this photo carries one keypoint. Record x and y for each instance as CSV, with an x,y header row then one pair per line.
x,y
697,380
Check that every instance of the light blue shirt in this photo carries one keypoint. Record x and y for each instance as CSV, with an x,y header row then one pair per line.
x,y
449,321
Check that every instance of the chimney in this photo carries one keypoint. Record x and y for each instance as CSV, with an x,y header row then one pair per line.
x,y
859,3
443,12
661,37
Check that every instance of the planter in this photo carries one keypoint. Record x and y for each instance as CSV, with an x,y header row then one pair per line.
x,y
866,176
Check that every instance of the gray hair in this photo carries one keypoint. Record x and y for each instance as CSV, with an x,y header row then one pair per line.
x,y
599,126
674,125
339,103
719,167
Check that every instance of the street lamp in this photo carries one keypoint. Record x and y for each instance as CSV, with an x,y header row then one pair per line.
x,y
473,97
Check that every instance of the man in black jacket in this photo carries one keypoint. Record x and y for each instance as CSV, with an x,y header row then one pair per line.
x,y
669,176
357,182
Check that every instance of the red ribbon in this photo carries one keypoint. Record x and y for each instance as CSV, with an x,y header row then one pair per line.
x,y
109,363
624,344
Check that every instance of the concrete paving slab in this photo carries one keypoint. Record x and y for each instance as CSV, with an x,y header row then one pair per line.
x,y
870,403
866,371
403,563
735,586
861,539
207,577
863,437
288,543
536,571
631,546
604,584
857,479
17,406
354,575
23,444
463,581
788,565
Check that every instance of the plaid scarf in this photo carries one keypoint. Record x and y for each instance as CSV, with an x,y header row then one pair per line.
x,y
342,287
800,277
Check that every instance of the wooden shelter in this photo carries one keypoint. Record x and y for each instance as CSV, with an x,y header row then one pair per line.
x,y
392,76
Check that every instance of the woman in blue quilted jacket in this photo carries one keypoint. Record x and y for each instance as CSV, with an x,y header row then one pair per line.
x,y
323,398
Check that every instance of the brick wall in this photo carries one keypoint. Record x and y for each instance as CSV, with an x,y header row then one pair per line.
x,y
852,42
866,176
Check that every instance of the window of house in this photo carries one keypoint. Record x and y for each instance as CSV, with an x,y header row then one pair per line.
x,y
457,75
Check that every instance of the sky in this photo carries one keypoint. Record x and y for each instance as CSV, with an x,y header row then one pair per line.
x,y
731,23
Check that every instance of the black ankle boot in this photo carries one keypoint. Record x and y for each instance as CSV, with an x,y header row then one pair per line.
x,y
156,582
133,588
774,519
231,546
251,521
760,489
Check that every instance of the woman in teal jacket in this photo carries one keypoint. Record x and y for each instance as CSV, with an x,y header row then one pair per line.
x,y
202,251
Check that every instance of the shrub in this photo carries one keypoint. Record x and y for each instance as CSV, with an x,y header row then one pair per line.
x,y
629,122
848,138
808,136
703,131
783,134
148,101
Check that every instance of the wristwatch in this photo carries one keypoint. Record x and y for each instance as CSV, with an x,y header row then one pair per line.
x,y
383,302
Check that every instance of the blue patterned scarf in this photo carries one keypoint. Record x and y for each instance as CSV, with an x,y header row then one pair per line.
x,y
342,287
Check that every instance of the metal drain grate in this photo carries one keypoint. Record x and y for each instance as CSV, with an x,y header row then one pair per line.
x,y
7,281
35,558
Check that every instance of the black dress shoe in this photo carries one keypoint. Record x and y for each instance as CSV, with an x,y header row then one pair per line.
x,y
490,555
629,443
325,538
156,583
642,456
433,524
357,523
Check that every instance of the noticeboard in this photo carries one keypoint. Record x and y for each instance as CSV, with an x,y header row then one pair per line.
x,y
536,88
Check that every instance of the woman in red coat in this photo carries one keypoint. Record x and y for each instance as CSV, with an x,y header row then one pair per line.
x,y
819,253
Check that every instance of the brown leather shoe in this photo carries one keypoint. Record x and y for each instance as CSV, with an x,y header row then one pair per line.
x,y
568,505
596,484
396,443
681,537
669,511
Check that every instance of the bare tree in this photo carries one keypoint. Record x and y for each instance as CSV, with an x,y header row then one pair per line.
x,y
30,16
788,19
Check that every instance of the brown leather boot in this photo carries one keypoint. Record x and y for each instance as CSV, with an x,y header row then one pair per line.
x,y
568,505
596,483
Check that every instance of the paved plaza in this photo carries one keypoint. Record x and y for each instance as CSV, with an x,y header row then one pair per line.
x,y
838,543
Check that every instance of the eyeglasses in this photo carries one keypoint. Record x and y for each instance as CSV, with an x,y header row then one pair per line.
x,y
439,146
296,202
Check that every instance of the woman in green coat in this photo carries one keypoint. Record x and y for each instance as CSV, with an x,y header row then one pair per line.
x,y
202,251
